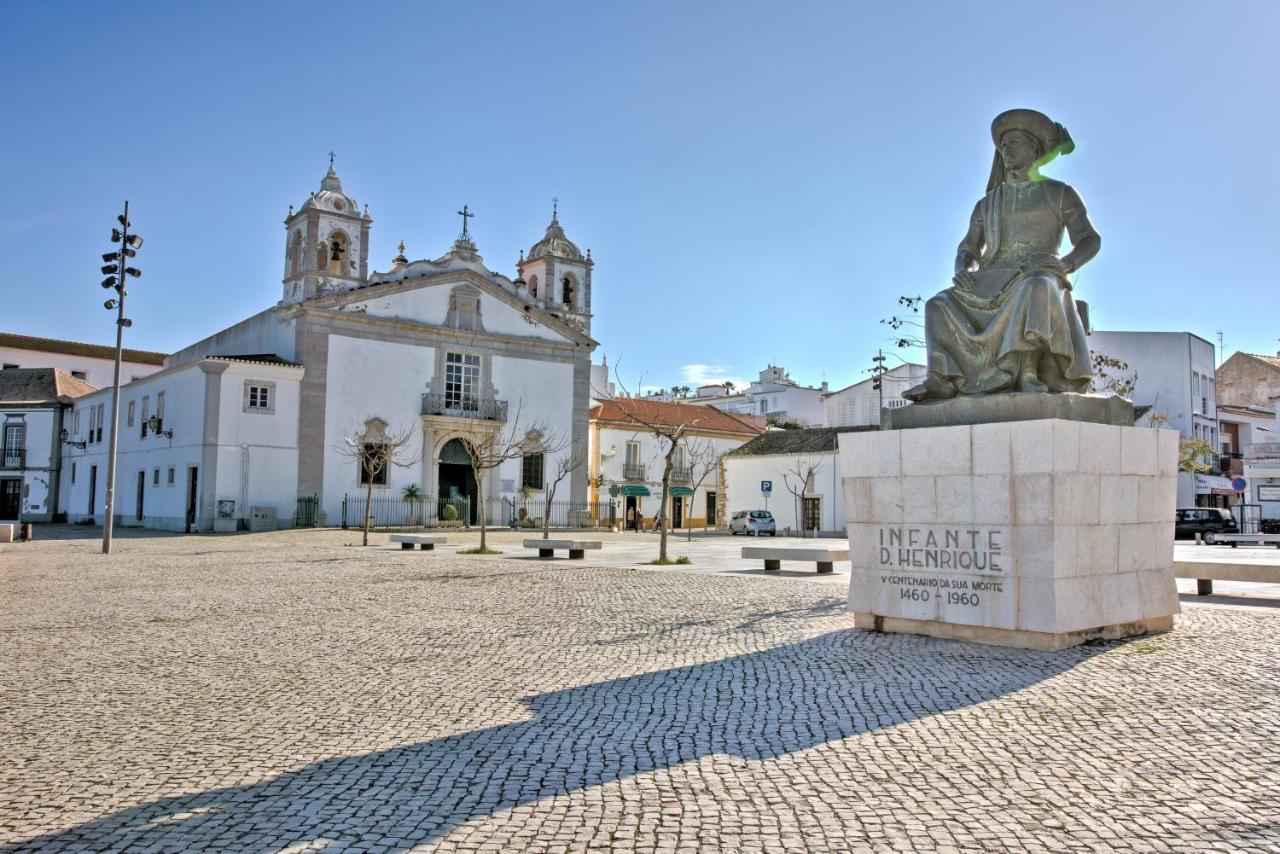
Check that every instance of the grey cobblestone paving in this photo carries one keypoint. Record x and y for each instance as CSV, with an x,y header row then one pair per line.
x,y
286,693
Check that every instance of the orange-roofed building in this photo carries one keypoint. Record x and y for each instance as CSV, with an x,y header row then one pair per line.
x,y
627,457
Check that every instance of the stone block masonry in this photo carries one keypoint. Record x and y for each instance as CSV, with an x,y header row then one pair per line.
x,y
1040,534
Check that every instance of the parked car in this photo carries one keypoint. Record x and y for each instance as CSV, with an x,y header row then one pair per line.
x,y
753,522
1205,521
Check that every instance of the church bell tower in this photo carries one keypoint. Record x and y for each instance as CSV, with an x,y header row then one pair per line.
x,y
558,276
326,243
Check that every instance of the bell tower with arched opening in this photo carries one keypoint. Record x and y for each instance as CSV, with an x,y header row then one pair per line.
x,y
326,243
559,276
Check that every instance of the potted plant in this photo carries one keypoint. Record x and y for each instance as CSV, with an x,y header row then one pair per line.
x,y
413,494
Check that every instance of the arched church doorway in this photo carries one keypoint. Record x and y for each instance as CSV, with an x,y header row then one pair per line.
x,y
457,481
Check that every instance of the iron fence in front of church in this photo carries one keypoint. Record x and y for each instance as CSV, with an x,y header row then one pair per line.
x,y
522,512
394,511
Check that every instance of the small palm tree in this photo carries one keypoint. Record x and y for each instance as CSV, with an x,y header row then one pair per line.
x,y
413,494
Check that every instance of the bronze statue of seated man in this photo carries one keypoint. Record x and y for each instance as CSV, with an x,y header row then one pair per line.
x,y
1009,321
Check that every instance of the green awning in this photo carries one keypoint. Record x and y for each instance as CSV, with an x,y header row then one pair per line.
x,y
682,491
633,489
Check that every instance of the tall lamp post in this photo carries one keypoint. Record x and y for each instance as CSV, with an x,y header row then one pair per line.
x,y
118,273
877,373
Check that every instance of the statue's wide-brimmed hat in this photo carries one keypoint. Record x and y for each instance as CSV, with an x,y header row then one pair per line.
x,y
1053,137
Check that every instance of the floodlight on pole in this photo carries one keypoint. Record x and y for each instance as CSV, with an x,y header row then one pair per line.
x,y
128,243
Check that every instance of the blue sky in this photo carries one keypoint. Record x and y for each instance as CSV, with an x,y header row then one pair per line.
x,y
758,182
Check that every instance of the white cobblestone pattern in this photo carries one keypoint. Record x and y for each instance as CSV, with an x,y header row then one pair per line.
x,y
284,693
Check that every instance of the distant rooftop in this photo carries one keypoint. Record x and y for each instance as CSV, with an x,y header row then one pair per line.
x,y
78,348
39,387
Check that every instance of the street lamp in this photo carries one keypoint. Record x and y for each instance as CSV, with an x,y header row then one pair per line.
x,y
153,426
66,440
117,273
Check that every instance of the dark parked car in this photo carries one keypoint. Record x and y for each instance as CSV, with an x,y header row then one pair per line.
x,y
1205,521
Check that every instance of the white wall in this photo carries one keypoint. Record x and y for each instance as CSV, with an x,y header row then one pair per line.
x,y
268,441
743,476
610,453
270,331
859,404
37,472
98,372
368,378
431,305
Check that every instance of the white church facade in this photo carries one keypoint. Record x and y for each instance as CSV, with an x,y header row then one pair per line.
x,y
255,415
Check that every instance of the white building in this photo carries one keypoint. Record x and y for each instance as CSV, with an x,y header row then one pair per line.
x,y
627,459
92,363
1262,476
1174,373
33,407
859,405
443,349
773,395
218,429
762,474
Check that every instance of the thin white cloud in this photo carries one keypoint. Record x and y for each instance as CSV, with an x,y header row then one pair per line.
x,y
697,375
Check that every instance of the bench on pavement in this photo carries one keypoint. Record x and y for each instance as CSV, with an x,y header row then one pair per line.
x,y
426,542
1205,572
1235,540
773,556
576,548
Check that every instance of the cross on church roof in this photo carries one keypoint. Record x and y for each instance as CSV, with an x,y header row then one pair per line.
x,y
466,214
331,156
555,207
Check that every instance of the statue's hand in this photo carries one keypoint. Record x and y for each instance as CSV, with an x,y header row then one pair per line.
x,y
963,279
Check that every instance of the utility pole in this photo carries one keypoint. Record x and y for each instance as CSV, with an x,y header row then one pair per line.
x,y
877,380
117,274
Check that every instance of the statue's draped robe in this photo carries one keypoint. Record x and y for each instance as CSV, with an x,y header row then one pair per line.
x,y
980,338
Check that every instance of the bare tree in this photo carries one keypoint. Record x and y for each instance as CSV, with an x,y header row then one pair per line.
x,y
703,459
565,465
375,447
798,478
490,446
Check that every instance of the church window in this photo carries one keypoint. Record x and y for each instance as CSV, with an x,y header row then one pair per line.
x,y
531,471
155,477
533,286
567,292
170,475
374,458
130,421
462,382
259,397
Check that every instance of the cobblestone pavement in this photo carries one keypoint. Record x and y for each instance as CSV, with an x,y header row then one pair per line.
x,y
286,692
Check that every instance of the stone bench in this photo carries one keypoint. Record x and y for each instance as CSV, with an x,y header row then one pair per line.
x,y
576,548
426,542
1235,540
774,556
6,532
1205,572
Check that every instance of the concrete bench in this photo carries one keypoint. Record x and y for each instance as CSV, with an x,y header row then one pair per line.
x,y
426,542
6,532
1235,540
576,548
773,557
1206,572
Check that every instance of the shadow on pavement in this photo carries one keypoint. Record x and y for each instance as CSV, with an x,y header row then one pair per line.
x,y
759,705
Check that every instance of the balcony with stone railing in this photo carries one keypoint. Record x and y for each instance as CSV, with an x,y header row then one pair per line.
x,y
464,407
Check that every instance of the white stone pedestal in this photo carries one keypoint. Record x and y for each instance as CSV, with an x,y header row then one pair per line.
x,y
1037,534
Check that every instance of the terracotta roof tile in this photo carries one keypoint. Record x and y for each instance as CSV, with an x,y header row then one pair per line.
x,y
39,387
77,348
631,410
